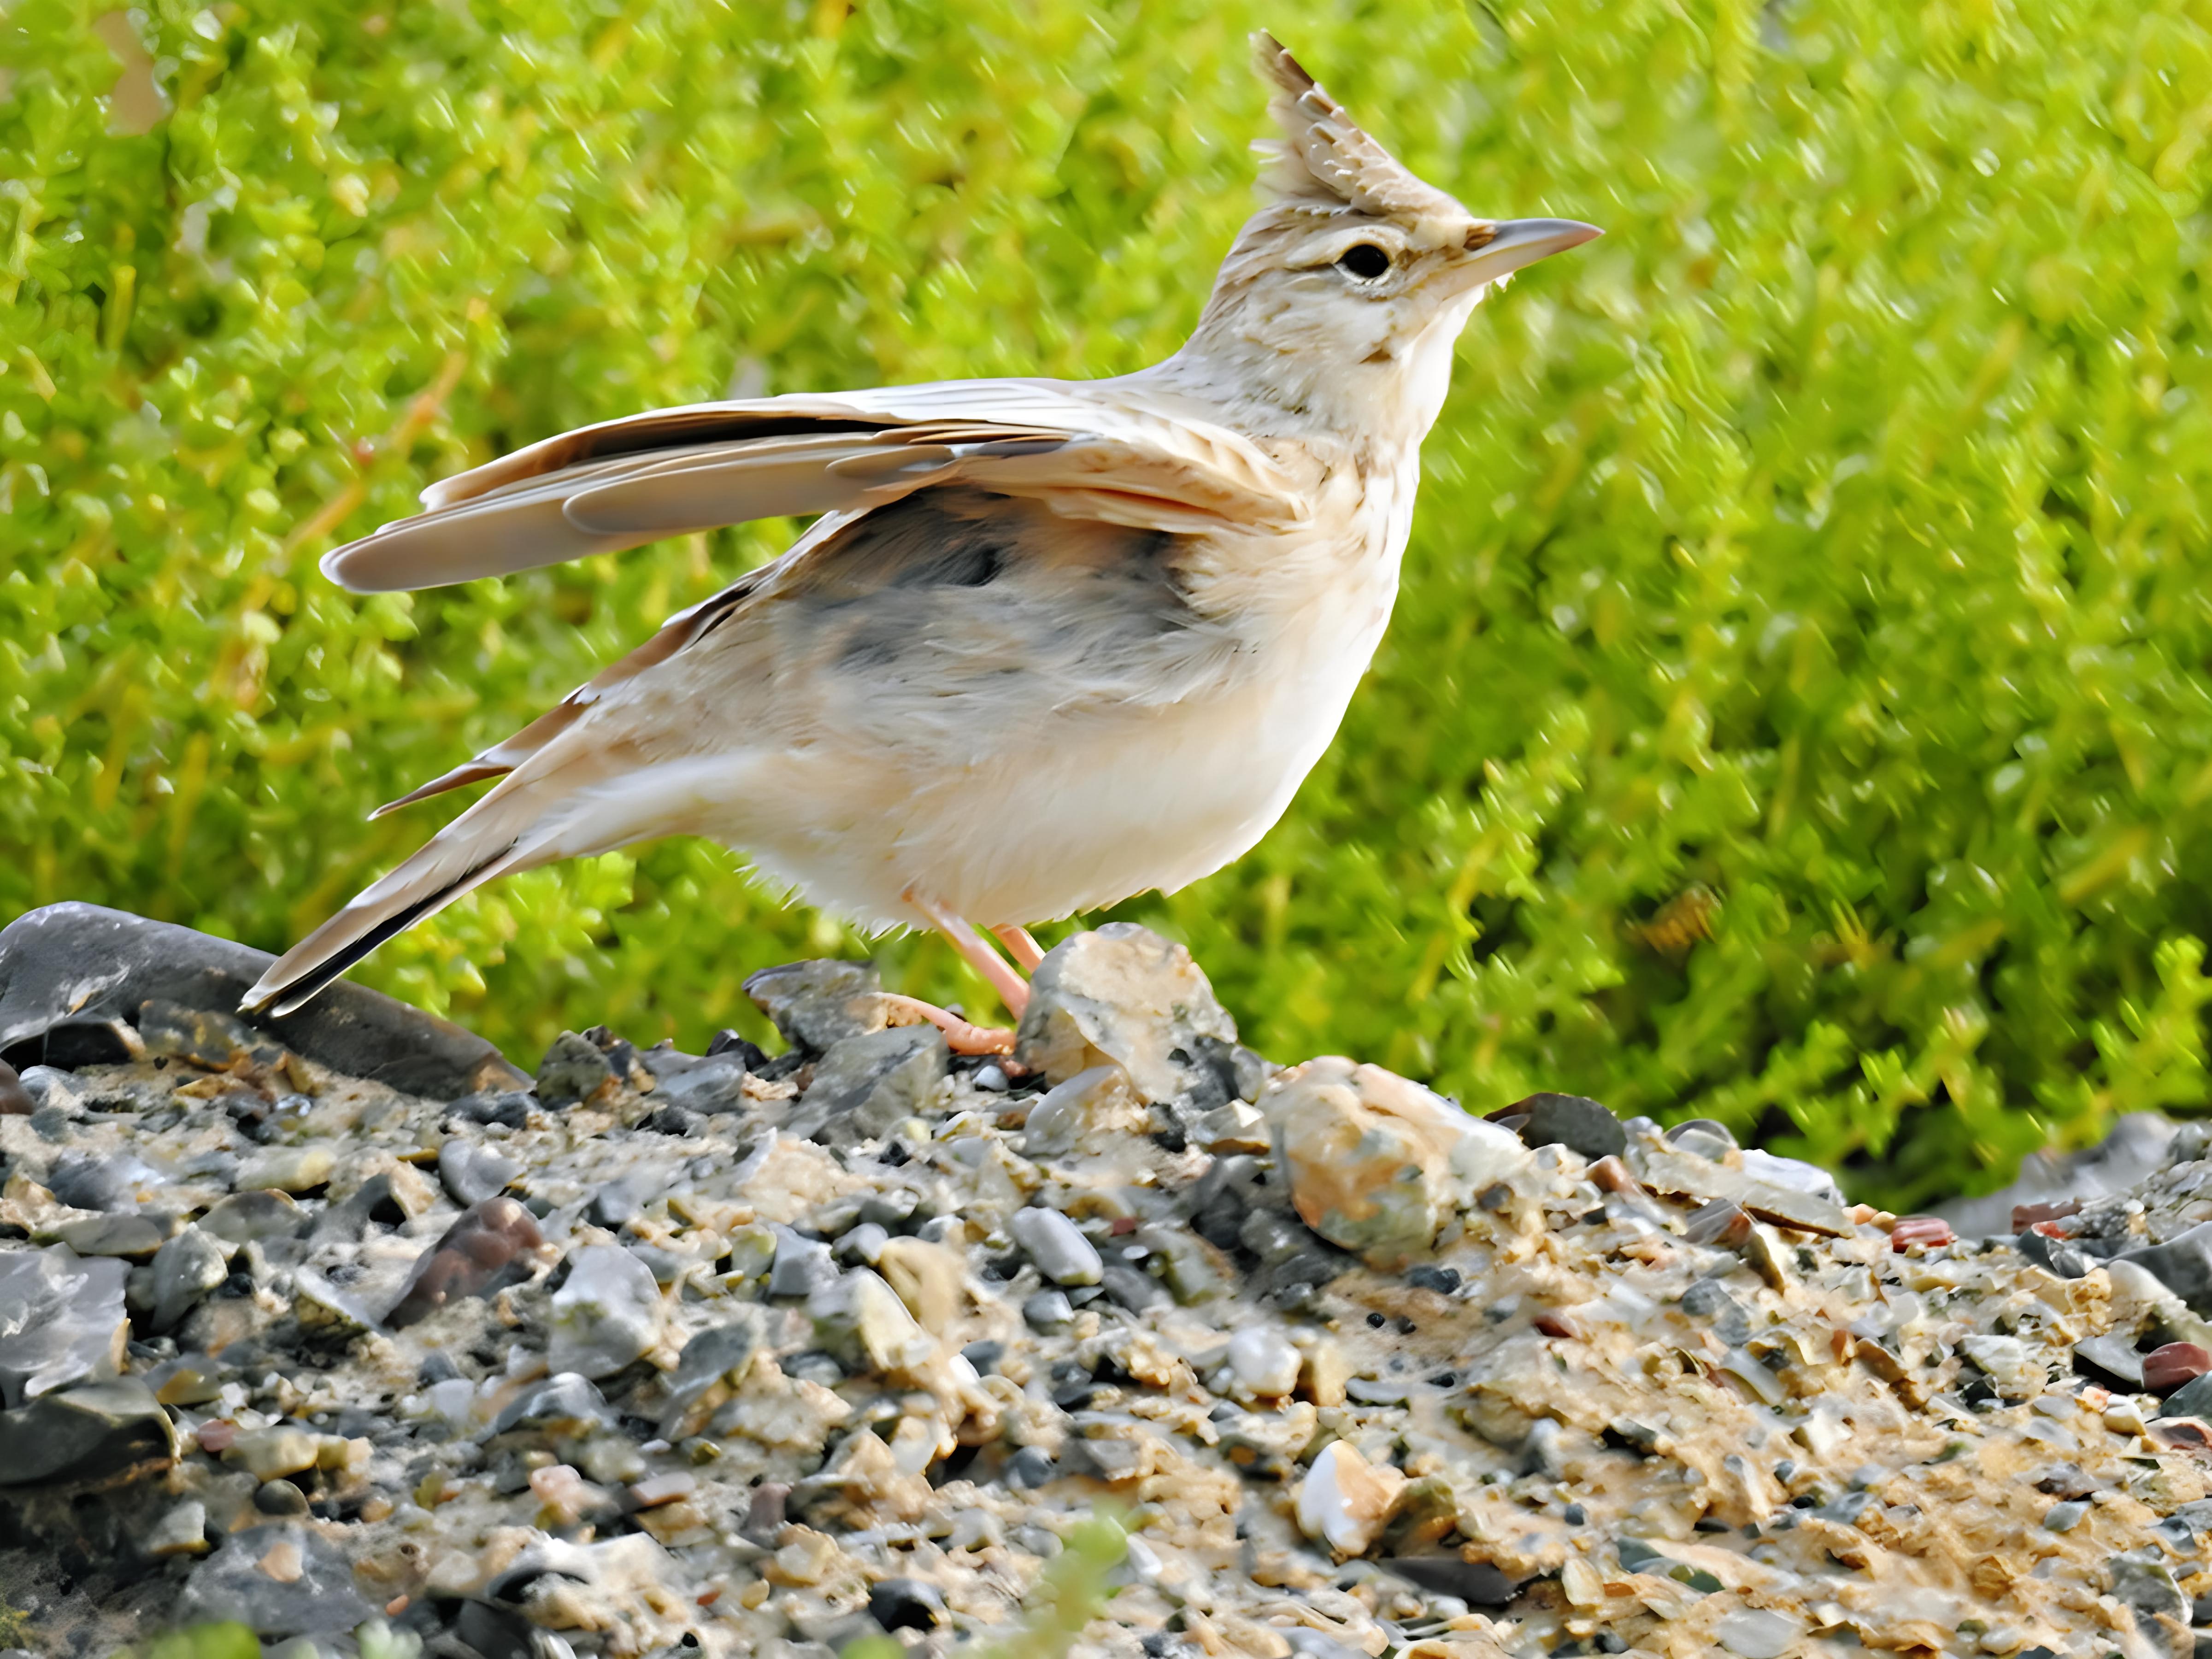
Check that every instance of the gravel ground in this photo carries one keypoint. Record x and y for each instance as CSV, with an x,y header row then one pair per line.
x,y
734,1354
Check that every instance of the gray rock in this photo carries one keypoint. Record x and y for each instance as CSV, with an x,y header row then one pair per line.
x,y
1048,1312
1130,1288
180,1530
69,972
865,1084
245,1217
1478,1584
2147,1588
1705,1136
860,1319
801,1265
185,1269
115,1234
473,1173
724,1352
708,1088
2112,1357
906,1604
232,1585
1122,994
606,1315
1575,1122
2183,1264
62,1320
89,1433
493,1243
100,1183
1053,1243
818,1004
562,1399
2192,1398
573,1071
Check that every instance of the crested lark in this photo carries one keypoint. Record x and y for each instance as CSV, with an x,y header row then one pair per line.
x,y
1049,644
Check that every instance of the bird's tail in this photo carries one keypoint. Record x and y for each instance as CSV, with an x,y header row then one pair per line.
x,y
513,828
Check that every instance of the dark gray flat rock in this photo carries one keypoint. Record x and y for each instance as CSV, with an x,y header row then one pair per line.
x,y
69,974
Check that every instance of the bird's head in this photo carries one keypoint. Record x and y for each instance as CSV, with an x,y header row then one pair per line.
x,y
1342,297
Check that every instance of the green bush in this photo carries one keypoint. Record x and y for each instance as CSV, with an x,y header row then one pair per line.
x,y
1796,714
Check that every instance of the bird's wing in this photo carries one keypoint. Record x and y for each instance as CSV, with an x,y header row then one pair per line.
x,y
1087,454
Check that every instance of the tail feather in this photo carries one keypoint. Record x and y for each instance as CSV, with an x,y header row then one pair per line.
x,y
503,832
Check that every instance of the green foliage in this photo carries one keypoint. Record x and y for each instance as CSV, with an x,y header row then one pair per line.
x,y
1796,714
206,1642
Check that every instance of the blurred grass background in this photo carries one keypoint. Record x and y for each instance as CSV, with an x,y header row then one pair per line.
x,y
1796,714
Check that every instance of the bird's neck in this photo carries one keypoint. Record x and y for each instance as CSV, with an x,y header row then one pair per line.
x,y
1382,405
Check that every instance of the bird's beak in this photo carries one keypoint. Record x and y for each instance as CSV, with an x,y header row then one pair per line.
x,y
1514,243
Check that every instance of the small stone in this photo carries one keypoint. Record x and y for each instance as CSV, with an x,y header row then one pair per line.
x,y
185,1269
1076,1114
2064,1517
564,1402
720,1354
2166,1369
860,1320
181,1530
2146,1587
508,1107
1377,1163
1060,1250
928,1279
1703,1136
266,1454
472,1173
493,1244
1575,1122
2184,1265
574,1071
2061,1256
63,1321
1234,1128
906,1604
2005,1360
2112,1356
1127,1287
100,1183
131,1236
606,1315
88,1432
2191,1399
287,1169
1427,1276
1048,1312
801,1266
1478,1584
1264,1361
1791,1174
1920,1232
244,1217
280,1497
1541,1454
656,1490
1345,1502
817,1003
1759,1632
711,1088
1121,994
2024,1216
281,1579
1721,1222
14,1099
865,1085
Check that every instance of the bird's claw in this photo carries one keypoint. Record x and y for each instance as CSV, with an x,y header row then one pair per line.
x,y
961,1037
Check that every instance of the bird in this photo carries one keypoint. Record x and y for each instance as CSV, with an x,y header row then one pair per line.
x,y
1046,644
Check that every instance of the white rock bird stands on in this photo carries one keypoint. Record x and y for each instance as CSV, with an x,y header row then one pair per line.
x,y
1049,643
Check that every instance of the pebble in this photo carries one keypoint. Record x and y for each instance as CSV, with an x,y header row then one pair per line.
x,y
573,1073
289,1169
906,1604
2167,1367
1058,1249
864,1086
185,1269
86,1182
818,1004
1265,1361
1121,995
1048,1312
472,1173
88,1431
1920,1232
1075,1113
16,1100
247,1217
606,1315
1345,1501
1759,1633
62,1322
2184,1265
493,1243
801,1265
1572,1121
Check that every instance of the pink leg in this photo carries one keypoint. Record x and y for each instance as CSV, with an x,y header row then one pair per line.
x,y
959,1035
979,956
1026,950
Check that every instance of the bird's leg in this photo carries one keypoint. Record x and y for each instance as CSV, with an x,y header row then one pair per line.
x,y
1026,950
1012,990
960,1036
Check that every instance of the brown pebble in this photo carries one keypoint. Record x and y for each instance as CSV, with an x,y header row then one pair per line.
x,y
1929,1230
1612,1175
14,1099
2167,1367
1557,1324
2183,1433
473,1257
2024,1216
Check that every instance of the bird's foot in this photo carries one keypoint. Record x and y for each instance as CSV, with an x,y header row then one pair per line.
x,y
960,1036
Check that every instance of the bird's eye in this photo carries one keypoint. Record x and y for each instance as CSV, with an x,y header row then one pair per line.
x,y
1364,260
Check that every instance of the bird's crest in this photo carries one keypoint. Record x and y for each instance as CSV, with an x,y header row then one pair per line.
x,y
1325,159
